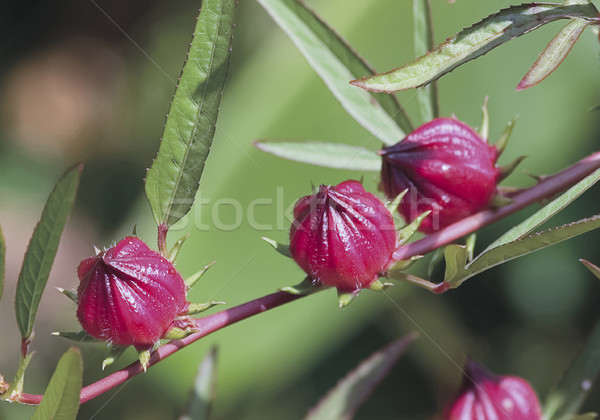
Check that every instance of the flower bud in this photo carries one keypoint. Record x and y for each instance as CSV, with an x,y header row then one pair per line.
x,y
129,294
485,396
342,236
447,169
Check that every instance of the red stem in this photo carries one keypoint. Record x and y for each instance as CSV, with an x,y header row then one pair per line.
x,y
209,324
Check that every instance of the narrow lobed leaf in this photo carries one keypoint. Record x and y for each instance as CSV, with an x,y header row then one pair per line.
x,y
329,155
554,54
61,399
173,179
205,385
475,41
524,246
546,212
336,63
427,96
42,249
348,395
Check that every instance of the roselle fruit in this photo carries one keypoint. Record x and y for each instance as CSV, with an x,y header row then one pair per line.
x,y
342,236
485,396
129,294
447,169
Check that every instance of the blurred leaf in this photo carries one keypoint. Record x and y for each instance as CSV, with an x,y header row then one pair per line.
x,y
586,416
173,179
2,262
330,155
566,400
593,268
42,249
341,402
475,41
522,246
205,386
427,95
554,54
336,63
546,212
61,399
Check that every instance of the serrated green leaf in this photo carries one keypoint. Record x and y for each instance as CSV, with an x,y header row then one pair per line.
x,y
348,395
475,41
427,96
568,397
205,386
42,249
61,399
329,155
336,63
173,179
2,262
546,212
554,54
523,246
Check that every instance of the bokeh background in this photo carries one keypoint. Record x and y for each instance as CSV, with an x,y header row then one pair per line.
x,y
91,81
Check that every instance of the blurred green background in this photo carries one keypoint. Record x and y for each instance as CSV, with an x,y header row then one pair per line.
x,y
92,81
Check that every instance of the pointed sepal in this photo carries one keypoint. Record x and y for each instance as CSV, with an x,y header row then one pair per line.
x,y
506,170
134,231
404,264
306,287
68,293
408,231
505,136
392,206
346,298
593,268
177,247
379,286
484,130
181,328
144,358
196,308
77,336
281,248
500,200
113,354
193,279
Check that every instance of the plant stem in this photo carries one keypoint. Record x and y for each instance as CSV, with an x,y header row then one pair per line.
x,y
209,324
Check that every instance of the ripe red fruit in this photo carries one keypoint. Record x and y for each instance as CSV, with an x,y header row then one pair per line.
x,y
342,236
447,169
485,396
129,294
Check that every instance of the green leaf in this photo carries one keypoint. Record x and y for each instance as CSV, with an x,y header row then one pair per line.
x,y
456,258
330,155
173,179
427,96
566,400
61,399
546,212
205,385
475,41
2,262
554,54
586,416
348,395
336,63
523,246
42,249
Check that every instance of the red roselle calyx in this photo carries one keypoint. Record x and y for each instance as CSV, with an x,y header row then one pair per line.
x,y
342,236
447,169
485,396
129,294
